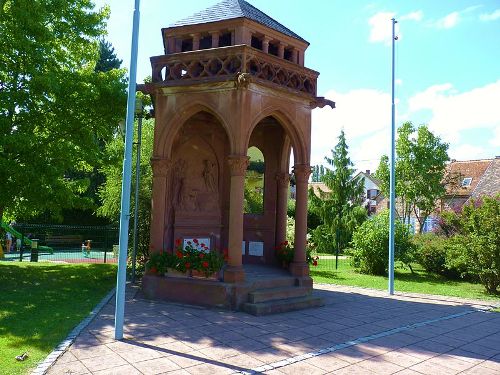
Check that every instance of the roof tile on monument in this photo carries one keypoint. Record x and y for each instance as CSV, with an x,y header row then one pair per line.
x,y
230,9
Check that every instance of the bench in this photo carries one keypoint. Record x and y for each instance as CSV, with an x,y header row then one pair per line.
x,y
66,239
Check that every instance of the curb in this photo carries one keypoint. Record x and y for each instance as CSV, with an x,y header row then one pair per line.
x,y
63,345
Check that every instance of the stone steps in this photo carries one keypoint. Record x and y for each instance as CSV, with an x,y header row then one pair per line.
x,y
283,305
273,294
274,282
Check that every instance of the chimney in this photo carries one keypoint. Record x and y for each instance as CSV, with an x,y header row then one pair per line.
x,y
367,172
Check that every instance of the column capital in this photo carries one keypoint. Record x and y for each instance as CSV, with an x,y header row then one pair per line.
x,y
302,172
283,179
238,164
161,166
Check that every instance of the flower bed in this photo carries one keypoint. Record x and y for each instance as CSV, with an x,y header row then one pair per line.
x,y
195,259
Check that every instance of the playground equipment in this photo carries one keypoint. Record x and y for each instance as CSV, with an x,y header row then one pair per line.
x,y
26,241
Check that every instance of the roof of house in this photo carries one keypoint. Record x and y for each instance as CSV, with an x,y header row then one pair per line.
x,y
368,176
230,9
489,184
473,169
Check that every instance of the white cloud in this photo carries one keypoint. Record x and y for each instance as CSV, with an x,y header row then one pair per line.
x,y
361,113
448,21
495,140
453,112
381,27
398,81
467,152
490,16
414,16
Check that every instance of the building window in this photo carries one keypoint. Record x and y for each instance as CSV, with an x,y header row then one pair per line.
x,y
225,39
273,49
466,181
187,45
256,43
206,42
288,54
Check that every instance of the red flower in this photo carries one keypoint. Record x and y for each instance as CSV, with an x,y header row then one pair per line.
x,y
204,264
179,254
153,270
187,265
285,243
226,254
195,240
178,242
315,263
151,247
202,255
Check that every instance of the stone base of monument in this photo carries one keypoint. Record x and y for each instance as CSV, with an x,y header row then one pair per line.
x,y
266,290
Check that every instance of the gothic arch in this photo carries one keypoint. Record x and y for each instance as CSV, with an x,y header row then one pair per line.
x,y
168,133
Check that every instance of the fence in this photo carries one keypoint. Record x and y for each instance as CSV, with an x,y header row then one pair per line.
x,y
64,243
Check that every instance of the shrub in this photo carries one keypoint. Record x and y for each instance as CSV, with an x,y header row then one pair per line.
x,y
370,245
477,247
285,253
430,252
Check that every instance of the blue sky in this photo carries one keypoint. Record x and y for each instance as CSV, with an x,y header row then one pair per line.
x,y
447,66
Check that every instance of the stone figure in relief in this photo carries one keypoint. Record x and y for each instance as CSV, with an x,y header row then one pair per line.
x,y
179,176
209,176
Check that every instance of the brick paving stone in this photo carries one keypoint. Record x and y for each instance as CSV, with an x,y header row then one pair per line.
x,y
479,349
302,368
156,366
352,370
480,370
73,368
66,357
120,370
453,363
103,362
352,355
327,362
208,368
188,360
431,368
242,360
91,351
219,352
401,359
378,366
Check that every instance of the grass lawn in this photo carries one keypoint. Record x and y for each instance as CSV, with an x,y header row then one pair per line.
x,y
404,281
40,303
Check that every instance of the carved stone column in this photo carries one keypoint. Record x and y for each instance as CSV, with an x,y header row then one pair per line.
x,y
160,196
281,50
196,41
299,267
215,38
237,166
265,44
283,182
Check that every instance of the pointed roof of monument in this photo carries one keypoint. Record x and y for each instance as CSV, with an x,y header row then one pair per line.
x,y
230,9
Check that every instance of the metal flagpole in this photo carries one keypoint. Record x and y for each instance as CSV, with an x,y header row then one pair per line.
x,y
127,177
392,198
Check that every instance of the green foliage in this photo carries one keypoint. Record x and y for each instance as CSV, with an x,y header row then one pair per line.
x,y
318,171
193,257
54,106
370,242
110,191
339,209
290,229
41,303
254,202
477,247
431,252
107,58
420,170
285,252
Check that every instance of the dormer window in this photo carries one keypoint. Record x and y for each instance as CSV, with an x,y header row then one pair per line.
x,y
466,181
187,45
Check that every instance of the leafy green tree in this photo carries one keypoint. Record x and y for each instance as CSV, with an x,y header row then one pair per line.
x,y
338,208
318,173
53,104
107,58
110,191
420,172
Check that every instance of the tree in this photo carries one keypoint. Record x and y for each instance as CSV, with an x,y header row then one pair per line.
x,y
53,104
110,191
107,58
338,208
420,170
318,173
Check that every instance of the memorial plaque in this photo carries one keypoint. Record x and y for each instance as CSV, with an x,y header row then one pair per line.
x,y
256,248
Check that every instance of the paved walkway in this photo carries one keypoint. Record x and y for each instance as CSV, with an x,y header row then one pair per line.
x,y
358,331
